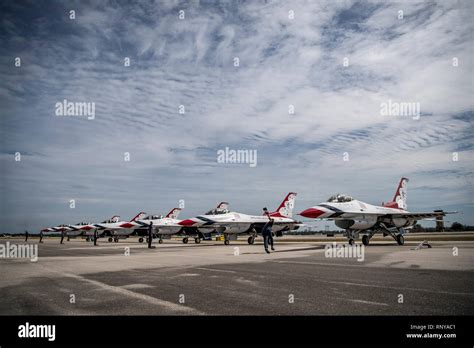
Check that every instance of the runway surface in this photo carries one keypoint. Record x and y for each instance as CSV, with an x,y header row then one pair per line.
x,y
240,279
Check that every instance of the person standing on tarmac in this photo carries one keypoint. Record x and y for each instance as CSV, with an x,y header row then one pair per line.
x,y
96,235
150,234
267,235
26,236
41,237
62,237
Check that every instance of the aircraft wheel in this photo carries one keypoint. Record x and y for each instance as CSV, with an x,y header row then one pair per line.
x,y
116,240
197,240
365,240
185,240
226,242
88,239
110,239
400,239
251,240
160,241
140,240
351,241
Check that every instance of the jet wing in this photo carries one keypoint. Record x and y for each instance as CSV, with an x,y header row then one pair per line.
x,y
169,229
421,215
417,216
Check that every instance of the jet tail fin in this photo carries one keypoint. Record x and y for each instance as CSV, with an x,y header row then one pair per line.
x,y
139,216
400,198
286,207
174,213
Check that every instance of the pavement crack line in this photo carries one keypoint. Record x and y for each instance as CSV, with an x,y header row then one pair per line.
x,y
215,270
149,299
180,309
363,301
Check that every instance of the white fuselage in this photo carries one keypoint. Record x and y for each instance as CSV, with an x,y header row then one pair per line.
x,y
234,223
161,226
357,215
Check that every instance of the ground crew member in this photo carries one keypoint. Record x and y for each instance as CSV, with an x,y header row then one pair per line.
x,y
150,234
96,235
62,237
41,237
26,236
267,235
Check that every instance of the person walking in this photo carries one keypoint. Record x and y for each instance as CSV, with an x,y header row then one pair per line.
x,y
150,234
41,237
96,236
267,235
62,237
26,236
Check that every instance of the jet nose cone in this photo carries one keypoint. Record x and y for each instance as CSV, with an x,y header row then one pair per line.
x,y
187,222
311,213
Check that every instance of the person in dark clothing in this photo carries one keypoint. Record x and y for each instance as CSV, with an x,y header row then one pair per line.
x,y
150,234
41,237
26,236
267,235
96,235
62,237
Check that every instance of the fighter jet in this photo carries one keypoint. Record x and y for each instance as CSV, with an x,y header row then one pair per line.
x,y
356,217
231,224
56,229
119,229
163,227
105,228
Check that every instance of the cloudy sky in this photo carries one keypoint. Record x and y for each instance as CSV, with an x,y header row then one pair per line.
x,y
334,62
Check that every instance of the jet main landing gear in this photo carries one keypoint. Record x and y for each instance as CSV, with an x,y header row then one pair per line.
x,y
253,235
365,240
395,233
400,239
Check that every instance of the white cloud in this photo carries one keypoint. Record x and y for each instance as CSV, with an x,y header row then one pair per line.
x,y
282,62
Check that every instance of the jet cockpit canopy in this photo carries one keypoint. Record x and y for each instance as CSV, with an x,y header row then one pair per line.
x,y
153,217
217,211
340,198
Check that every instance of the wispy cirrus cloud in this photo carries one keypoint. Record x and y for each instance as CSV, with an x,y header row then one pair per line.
x,y
190,62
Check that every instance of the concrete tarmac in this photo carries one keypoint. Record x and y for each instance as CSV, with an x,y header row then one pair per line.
x,y
127,278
